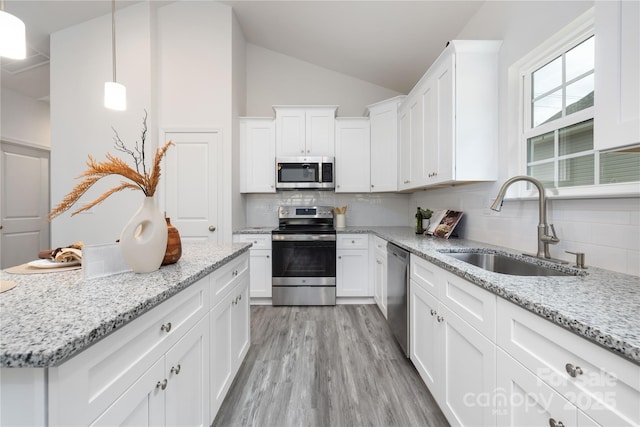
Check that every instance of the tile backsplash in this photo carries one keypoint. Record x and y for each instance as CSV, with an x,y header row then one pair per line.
x,y
383,209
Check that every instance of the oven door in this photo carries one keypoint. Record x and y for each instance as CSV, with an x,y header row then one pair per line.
x,y
311,257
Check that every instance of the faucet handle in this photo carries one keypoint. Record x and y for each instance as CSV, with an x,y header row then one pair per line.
x,y
553,238
579,259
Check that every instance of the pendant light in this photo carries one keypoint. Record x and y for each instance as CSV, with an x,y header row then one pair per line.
x,y
12,35
115,94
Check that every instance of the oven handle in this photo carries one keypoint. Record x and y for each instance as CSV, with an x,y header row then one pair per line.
x,y
303,237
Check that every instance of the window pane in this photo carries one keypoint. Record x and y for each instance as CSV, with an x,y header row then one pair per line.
x,y
540,147
580,94
543,173
619,167
548,77
580,59
576,171
575,138
547,108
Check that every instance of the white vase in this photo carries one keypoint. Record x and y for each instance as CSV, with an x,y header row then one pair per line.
x,y
144,239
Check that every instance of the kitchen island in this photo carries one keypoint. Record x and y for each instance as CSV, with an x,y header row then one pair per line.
x,y
71,349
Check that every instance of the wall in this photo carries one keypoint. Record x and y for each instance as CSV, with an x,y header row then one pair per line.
x,y
81,126
607,230
24,120
239,108
277,79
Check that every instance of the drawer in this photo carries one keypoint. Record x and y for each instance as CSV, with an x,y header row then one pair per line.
x,y
83,387
223,279
426,274
258,241
606,387
352,241
379,244
472,303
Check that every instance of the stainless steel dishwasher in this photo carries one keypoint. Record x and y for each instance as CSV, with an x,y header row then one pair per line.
x,y
397,294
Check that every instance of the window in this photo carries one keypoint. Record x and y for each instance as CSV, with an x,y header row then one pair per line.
x,y
558,121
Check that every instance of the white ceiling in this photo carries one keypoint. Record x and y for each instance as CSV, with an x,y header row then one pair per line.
x,y
388,43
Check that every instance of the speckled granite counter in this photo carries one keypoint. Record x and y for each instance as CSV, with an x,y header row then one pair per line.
x,y
50,317
255,230
602,306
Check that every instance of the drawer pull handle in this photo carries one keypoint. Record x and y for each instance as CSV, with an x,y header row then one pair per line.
x,y
175,369
433,312
162,384
166,328
573,371
440,319
554,423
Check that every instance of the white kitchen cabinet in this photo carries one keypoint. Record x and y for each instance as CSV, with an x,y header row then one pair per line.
x,y
260,263
617,77
305,130
449,120
383,120
352,266
380,273
454,359
353,153
602,385
230,340
257,155
174,391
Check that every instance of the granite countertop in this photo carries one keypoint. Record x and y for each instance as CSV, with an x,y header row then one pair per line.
x,y
47,318
601,305
255,230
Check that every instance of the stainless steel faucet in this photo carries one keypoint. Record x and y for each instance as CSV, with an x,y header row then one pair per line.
x,y
544,238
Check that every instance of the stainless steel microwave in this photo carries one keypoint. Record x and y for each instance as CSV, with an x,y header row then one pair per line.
x,y
305,173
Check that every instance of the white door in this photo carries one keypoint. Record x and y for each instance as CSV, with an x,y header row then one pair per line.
x,y
192,184
353,151
24,200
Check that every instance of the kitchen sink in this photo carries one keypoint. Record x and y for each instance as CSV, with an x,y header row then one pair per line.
x,y
504,264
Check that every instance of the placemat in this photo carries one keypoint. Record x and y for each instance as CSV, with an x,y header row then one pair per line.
x,y
27,269
6,285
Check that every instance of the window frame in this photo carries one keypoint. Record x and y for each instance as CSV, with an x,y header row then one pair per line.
x,y
567,38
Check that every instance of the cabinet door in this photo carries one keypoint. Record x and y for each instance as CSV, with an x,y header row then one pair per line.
x,y
404,147
221,363
383,121
468,371
143,404
320,131
417,142
425,337
524,400
257,155
352,273
380,281
260,273
443,148
187,372
617,77
353,155
290,132
430,130
240,324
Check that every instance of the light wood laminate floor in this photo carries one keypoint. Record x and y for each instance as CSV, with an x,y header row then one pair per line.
x,y
326,366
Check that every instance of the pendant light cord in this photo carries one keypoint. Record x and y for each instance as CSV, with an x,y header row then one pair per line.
x,y
113,36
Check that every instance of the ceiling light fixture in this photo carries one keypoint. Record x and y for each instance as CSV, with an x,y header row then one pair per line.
x,y
12,35
115,94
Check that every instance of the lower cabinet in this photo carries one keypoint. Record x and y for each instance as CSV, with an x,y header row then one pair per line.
x,y
352,266
380,273
230,340
260,255
174,391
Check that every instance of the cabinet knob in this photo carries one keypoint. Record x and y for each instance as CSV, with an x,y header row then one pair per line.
x,y
554,423
433,312
340,257
573,371
301,151
440,319
353,242
166,327
212,228
162,384
175,369
372,185
267,256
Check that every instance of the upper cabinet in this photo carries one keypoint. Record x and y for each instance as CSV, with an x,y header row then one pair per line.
x,y
448,124
305,131
617,77
352,155
258,155
383,121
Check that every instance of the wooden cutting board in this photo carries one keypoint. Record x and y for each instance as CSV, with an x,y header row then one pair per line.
x,y
6,285
27,269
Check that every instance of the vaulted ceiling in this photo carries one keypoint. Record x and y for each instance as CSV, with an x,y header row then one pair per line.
x,y
388,43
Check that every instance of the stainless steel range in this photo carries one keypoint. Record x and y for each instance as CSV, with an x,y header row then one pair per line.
x,y
304,256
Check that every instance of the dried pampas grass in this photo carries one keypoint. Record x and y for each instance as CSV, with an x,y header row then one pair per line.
x,y
140,180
